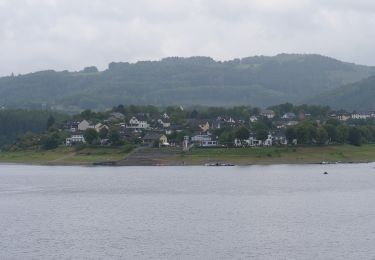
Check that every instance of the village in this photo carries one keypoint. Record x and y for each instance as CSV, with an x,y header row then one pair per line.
x,y
264,128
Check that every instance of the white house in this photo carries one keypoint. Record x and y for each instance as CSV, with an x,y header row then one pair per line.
x,y
100,126
343,117
268,141
268,113
253,119
72,126
151,137
252,141
165,116
229,120
186,144
279,139
205,127
164,122
83,126
292,123
237,142
134,123
74,139
289,116
204,141
361,115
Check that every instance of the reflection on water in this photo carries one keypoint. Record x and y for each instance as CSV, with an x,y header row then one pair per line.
x,y
260,212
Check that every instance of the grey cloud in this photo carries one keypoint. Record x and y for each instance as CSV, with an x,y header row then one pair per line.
x,y
55,34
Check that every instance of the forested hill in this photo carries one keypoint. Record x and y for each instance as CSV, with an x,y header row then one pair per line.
x,y
358,96
15,123
258,81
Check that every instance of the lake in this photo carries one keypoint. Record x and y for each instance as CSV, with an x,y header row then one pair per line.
x,y
255,212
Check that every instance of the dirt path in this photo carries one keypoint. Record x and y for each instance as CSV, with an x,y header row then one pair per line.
x,y
146,156
61,159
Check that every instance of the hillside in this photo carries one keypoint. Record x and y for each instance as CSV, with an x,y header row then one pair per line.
x,y
259,81
358,96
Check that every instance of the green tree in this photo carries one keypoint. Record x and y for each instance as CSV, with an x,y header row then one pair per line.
x,y
290,134
306,132
242,133
354,136
194,114
103,133
176,114
262,124
15,123
50,141
366,133
333,122
331,132
50,121
115,137
342,134
321,136
262,134
91,69
281,109
27,140
91,136
226,138
87,114
156,143
180,137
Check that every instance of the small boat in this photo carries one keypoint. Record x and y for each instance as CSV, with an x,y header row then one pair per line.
x,y
325,173
219,164
228,164
108,163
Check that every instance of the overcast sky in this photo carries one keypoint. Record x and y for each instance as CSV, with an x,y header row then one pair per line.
x,y
71,34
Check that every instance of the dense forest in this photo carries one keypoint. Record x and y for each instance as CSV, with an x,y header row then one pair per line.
x,y
257,81
357,96
15,123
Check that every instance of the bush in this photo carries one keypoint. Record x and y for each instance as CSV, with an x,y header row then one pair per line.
x,y
50,141
91,136
355,137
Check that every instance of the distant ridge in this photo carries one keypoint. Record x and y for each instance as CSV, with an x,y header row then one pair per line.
x,y
358,96
258,81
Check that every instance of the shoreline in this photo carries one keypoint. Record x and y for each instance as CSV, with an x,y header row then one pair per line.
x,y
3,163
144,156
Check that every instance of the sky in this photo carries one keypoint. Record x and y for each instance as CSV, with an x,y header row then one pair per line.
x,y
72,34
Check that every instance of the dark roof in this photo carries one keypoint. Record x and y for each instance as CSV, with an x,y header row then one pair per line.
x,y
142,116
165,120
152,136
71,124
117,115
176,127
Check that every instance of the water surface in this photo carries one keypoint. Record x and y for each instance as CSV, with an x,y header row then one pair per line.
x,y
259,212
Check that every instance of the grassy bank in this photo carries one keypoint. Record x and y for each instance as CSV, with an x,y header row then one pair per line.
x,y
281,155
64,156
197,156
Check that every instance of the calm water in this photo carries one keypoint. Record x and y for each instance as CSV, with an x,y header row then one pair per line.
x,y
269,212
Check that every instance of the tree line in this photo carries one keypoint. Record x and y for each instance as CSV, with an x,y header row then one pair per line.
x,y
15,123
331,132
